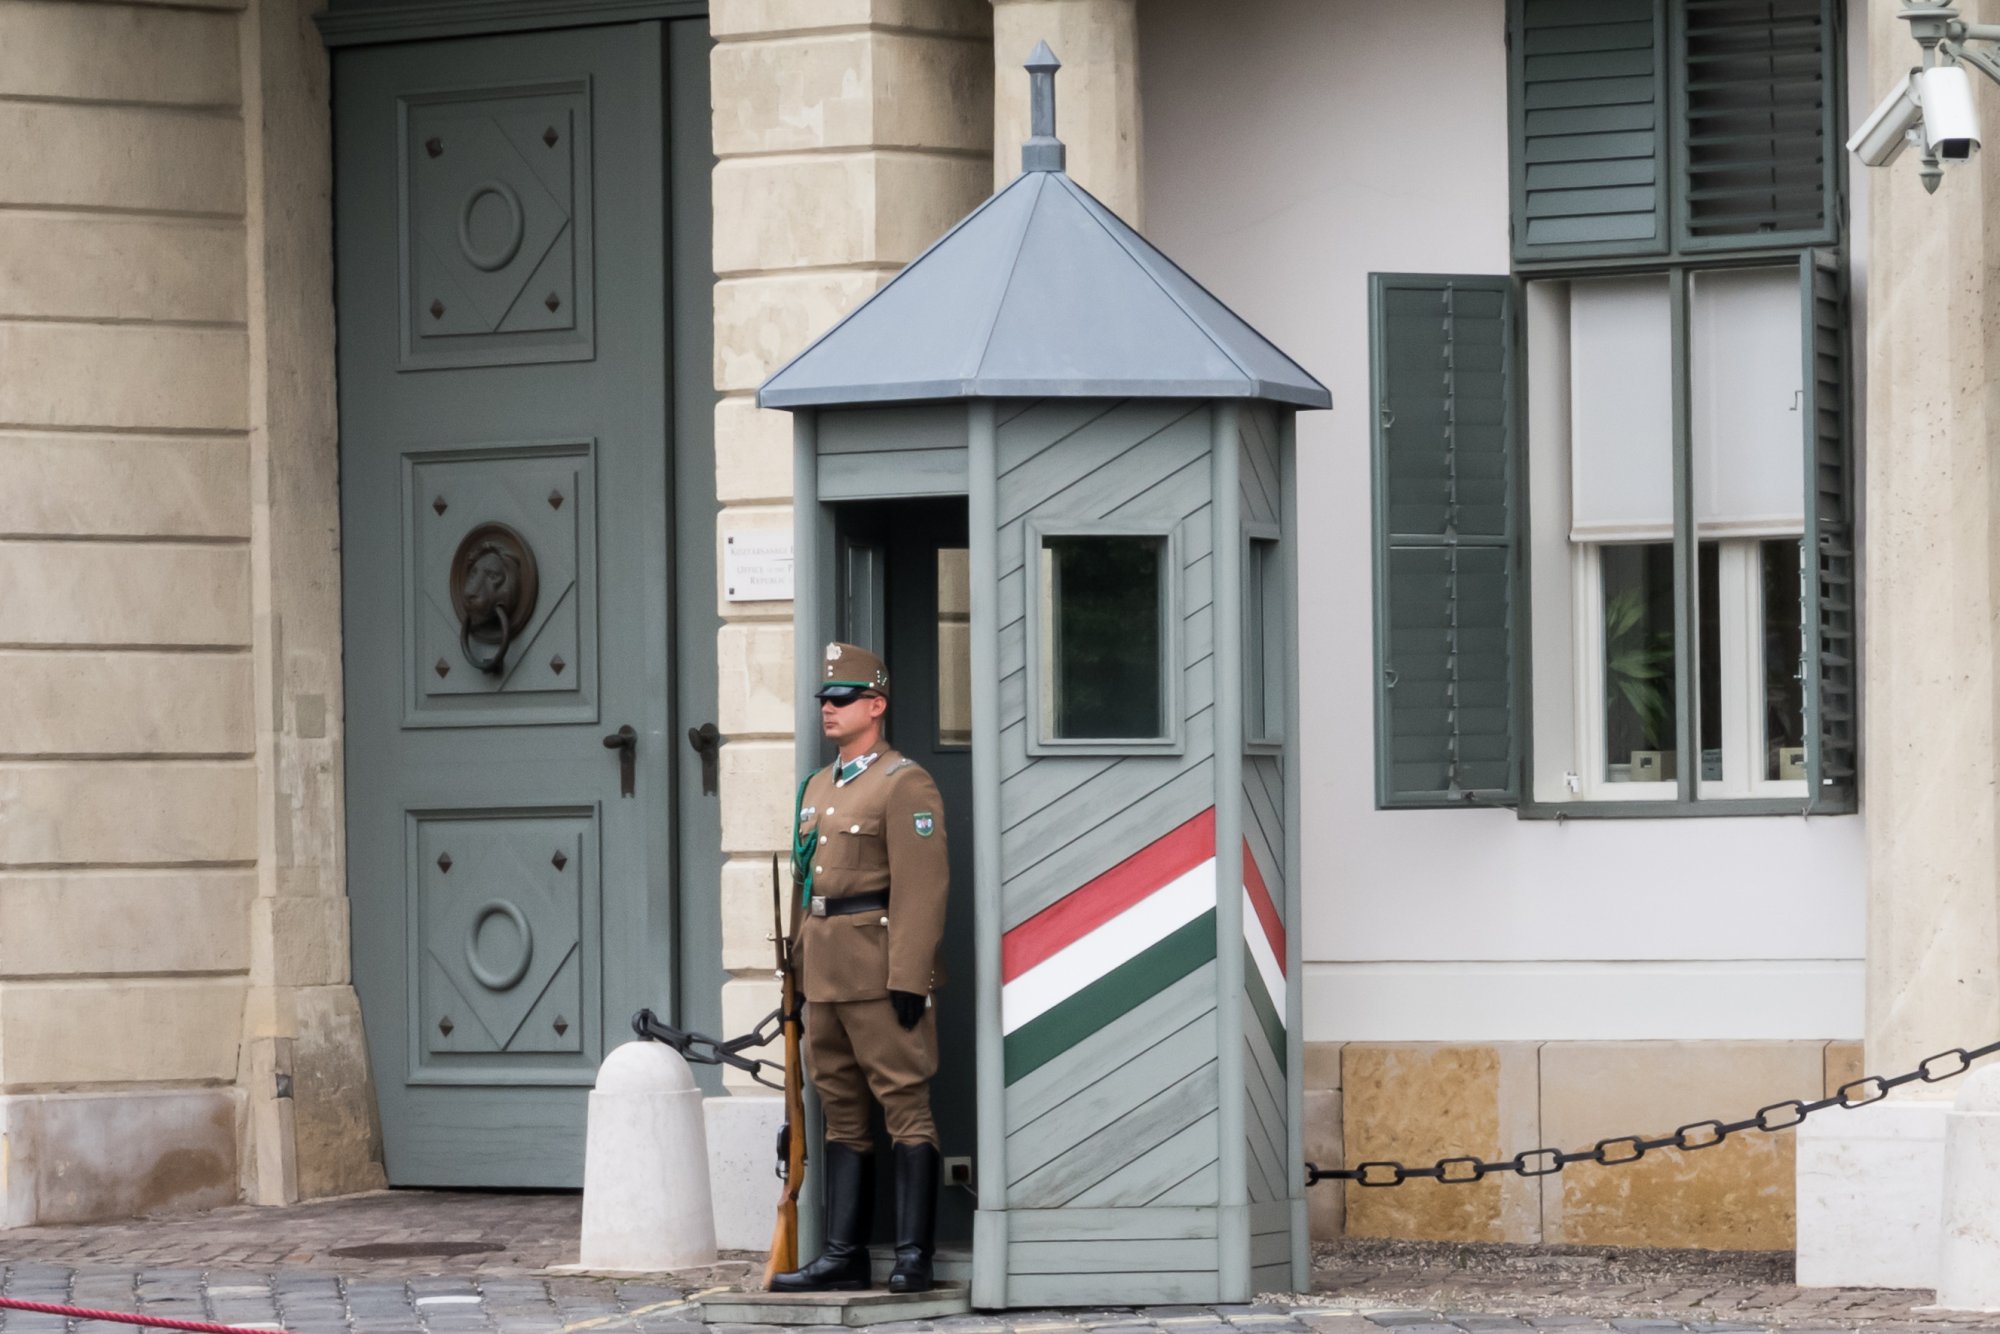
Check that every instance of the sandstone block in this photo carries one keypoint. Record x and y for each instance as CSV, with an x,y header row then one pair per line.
x,y
125,594
167,378
69,923
753,451
76,704
754,669
853,89
119,1031
1419,1102
764,321
299,940
73,485
1326,1212
777,18
1737,1196
745,1001
757,790
150,812
79,52
109,267
746,912
69,154
79,1157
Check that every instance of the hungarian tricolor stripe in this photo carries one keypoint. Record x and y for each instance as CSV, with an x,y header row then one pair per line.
x,y
1108,947
1264,944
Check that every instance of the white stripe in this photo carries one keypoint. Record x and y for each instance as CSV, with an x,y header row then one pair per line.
x,y
1267,962
1092,955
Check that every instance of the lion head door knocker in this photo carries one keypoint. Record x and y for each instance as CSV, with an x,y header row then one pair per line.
x,y
493,585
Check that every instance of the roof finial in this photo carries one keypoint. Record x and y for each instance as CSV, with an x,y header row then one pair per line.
x,y
1042,151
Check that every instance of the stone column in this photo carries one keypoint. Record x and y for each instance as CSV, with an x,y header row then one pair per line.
x,y
312,1127
1930,546
851,134
1870,1181
1097,92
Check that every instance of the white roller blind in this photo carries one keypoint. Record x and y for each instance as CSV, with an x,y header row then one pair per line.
x,y
1744,378
1621,411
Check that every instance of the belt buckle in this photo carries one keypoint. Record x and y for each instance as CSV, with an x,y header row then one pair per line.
x,y
817,907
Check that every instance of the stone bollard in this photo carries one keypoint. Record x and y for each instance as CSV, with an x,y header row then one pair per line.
x,y
1969,1240
645,1166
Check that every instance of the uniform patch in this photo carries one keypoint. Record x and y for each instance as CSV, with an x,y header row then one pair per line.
x,y
925,824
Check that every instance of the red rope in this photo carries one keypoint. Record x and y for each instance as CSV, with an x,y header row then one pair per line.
x,y
126,1318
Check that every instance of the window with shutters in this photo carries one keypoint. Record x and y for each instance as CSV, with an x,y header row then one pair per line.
x,y
1613,557
1673,127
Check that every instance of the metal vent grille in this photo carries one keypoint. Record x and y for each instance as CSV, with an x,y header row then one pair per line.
x,y
1756,117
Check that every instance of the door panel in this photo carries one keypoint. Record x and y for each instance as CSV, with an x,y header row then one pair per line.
x,y
506,418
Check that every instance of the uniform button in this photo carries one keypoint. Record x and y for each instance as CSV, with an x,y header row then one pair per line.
x,y
829,810
819,870
855,829
822,838
885,921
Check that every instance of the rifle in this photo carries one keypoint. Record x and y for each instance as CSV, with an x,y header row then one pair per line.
x,y
792,1135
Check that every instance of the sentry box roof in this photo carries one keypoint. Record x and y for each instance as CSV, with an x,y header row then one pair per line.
x,y
1041,291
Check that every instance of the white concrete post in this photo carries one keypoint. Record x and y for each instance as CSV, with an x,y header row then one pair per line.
x,y
1969,1238
645,1166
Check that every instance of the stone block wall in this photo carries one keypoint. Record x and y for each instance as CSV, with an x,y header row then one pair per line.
x,y
1418,1102
169,851
850,135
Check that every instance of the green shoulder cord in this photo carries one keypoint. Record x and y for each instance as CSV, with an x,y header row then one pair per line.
x,y
802,847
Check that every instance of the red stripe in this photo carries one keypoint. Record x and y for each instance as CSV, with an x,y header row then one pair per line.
x,y
1083,910
1260,901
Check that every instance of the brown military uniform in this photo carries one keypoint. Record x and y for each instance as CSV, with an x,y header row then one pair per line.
x,y
880,832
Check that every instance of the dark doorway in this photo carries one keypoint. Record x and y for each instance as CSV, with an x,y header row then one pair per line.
x,y
905,593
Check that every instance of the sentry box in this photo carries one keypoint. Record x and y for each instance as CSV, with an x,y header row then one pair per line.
x,y
1050,478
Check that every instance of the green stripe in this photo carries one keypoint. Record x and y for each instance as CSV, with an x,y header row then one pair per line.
x,y
1123,989
1267,1013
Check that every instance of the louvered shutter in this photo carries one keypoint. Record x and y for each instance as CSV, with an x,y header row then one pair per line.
x,y
1445,525
1756,160
1588,110
1832,727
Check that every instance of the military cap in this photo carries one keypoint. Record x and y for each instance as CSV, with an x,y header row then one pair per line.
x,y
849,671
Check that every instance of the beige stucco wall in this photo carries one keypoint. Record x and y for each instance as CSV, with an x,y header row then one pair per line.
x,y
172,914
850,134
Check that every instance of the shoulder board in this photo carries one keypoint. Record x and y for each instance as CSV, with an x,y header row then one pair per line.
x,y
902,762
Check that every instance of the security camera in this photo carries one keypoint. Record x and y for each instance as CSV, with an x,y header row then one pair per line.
x,y
1951,125
1886,133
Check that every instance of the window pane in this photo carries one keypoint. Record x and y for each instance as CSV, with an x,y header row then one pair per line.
x,y
1708,561
1102,646
954,647
1639,716
1784,703
1263,654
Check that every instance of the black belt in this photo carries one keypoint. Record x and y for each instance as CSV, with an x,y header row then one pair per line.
x,y
876,900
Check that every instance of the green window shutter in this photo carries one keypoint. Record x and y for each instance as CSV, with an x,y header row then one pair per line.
x,y
1758,152
1587,94
1832,726
1445,537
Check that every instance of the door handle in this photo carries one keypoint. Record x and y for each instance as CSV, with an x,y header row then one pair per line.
x,y
706,741
626,742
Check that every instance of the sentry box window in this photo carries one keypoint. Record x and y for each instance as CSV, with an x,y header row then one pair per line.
x,y
1106,648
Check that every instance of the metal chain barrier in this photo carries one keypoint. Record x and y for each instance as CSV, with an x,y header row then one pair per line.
x,y
700,1049
1631,1148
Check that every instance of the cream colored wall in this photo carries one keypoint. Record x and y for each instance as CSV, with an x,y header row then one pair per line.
x,y
169,847
1291,149
850,134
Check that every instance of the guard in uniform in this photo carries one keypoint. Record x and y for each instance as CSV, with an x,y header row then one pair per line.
x,y
868,859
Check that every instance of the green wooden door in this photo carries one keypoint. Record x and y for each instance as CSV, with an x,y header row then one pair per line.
x,y
504,208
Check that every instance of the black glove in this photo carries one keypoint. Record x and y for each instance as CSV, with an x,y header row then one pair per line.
x,y
909,1007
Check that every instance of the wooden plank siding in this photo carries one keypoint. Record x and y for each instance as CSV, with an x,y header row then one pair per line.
x,y
1260,474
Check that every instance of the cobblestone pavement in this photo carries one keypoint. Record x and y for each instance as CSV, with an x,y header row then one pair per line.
x,y
411,1262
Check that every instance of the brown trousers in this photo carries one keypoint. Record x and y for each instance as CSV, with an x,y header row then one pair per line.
x,y
855,1048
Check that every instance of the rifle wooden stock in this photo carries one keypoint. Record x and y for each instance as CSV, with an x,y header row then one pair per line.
x,y
785,1230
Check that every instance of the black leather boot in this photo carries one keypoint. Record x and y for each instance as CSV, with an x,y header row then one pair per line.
x,y
916,1216
849,1183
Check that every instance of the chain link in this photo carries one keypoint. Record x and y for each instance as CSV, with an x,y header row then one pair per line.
x,y
1695,1135
702,1049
